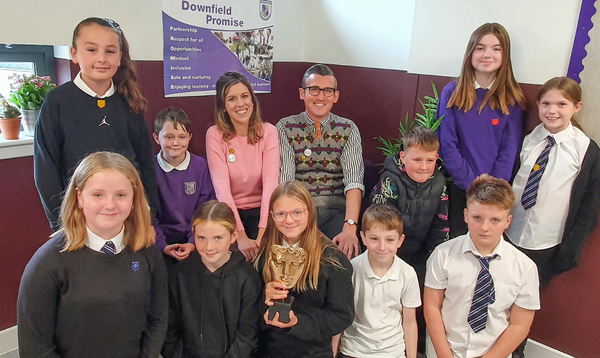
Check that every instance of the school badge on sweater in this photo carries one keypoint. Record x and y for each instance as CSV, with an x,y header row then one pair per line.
x,y
190,187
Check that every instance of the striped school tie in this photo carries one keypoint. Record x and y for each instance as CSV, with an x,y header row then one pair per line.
x,y
484,295
529,197
109,248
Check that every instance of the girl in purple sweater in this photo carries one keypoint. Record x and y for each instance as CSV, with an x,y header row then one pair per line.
x,y
483,110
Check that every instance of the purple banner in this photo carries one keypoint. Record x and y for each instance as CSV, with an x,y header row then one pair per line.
x,y
195,57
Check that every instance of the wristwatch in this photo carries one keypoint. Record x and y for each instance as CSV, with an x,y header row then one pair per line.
x,y
350,222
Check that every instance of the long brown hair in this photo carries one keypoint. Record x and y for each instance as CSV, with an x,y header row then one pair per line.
x,y
505,91
222,117
310,240
125,78
568,88
72,220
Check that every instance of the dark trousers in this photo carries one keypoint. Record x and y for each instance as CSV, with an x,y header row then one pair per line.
x,y
250,219
456,210
546,270
330,220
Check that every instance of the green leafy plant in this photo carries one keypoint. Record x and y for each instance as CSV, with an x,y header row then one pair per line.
x,y
28,92
427,119
7,110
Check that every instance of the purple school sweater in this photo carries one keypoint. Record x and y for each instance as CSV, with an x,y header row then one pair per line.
x,y
180,193
474,143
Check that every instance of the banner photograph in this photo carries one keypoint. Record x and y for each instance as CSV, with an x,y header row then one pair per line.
x,y
202,41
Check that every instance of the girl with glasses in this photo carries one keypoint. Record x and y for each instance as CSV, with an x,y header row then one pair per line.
x,y
323,306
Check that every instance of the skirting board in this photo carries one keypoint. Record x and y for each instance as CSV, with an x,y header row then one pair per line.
x,y
8,340
533,349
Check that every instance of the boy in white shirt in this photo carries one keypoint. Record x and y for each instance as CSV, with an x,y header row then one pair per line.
x,y
386,292
481,292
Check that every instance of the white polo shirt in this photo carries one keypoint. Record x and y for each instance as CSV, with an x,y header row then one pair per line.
x,y
454,268
377,327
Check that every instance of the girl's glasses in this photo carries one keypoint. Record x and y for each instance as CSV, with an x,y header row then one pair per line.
x,y
279,216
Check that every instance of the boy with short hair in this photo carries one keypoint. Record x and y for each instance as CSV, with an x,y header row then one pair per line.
x,y
412,183
481,292
183,184
386,292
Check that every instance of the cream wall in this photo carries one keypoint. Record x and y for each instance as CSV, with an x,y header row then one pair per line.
x,y
421,36
541,32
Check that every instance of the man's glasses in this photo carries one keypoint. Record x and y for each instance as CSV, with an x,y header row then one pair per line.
x,y
280,216
314,90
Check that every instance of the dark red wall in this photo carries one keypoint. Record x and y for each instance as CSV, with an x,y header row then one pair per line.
x,y
376,100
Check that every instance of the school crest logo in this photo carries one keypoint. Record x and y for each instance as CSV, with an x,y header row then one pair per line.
x,y
135,265
265,7
190,187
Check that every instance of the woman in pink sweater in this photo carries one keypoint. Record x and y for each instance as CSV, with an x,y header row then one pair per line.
x,y
243,158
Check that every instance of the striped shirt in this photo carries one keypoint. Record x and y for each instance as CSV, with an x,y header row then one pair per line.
x,y
348,152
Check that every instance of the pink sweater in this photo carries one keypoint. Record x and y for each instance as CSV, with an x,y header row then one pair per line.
x,y
249,181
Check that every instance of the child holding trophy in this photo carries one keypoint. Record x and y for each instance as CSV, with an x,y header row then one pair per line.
x,y
296,260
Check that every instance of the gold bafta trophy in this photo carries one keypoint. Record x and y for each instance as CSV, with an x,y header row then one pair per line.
x,y
287,265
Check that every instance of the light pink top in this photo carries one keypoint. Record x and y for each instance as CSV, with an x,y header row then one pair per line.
x,y
250,179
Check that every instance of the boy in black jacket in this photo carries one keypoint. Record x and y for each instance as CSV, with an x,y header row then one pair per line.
x,y
412,183
213,294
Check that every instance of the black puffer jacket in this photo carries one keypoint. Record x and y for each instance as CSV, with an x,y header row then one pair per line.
x,y
424,209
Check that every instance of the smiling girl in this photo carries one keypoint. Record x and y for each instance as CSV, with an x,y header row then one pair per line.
x,y
101,109
243,158
324,302
214,293
552,218
98,287
482,109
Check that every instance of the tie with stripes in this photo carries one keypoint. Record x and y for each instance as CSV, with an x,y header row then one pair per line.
x,y
484,295
109,248
529,197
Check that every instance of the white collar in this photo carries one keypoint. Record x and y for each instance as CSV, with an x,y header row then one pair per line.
x,y
95,242
477,85
468,245
287,244
391,274
85,88
559,137
164,165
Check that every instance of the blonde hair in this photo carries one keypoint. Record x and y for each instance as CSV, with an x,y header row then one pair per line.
x,y
224,83
217,212
488,190
72,220
568,88
384,216
310,240
505,91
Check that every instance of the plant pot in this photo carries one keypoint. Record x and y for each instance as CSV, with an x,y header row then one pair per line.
x,y
10,127
29,118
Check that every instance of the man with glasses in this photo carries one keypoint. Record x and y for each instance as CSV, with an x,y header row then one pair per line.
x,y
324,152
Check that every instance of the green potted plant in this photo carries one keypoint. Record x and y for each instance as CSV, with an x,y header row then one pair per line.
x,y
10,120
28,93
426,119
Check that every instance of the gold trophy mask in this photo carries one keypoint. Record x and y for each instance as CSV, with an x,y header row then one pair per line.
x,y
287,264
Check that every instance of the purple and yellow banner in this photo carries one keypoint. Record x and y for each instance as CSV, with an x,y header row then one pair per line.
x,y
203,40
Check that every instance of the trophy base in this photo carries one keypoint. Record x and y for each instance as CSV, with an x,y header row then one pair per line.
x,y
283,307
